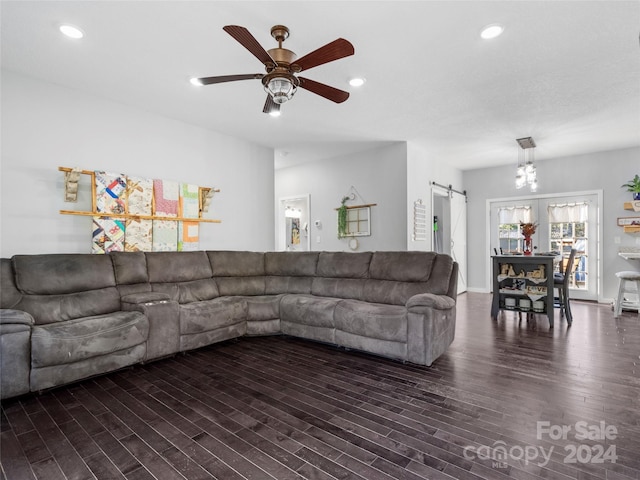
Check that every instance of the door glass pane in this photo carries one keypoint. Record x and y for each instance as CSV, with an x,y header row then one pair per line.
x,y
568,234
510,237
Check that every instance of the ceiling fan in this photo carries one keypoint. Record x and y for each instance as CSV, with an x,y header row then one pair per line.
x,y
281,65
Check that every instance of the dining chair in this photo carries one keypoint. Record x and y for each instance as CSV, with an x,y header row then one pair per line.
x,y
561,283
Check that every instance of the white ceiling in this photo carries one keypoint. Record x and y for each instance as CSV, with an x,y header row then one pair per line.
x,y
564,72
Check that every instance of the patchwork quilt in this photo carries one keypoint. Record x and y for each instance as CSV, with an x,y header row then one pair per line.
x,y
108,232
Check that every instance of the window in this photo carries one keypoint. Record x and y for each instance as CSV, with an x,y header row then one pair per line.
x,y
509,219
569,228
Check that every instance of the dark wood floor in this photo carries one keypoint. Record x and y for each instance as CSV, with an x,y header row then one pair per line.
x,y
281,408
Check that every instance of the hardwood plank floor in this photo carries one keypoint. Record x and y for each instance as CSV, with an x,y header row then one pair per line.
x,y
283,408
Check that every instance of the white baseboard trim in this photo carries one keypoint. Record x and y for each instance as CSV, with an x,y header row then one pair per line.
x,y
477,290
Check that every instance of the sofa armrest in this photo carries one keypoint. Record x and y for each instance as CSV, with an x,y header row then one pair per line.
x,y
429,300
145,298
15,317
431,326
15,345
164,321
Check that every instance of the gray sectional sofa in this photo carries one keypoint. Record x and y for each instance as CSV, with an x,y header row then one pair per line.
x,y
65,317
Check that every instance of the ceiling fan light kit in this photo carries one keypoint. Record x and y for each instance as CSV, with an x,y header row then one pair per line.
x,y
281,66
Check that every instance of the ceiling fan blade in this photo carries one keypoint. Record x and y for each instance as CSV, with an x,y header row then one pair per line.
x,y
330,93
229,78
270,106
335,50
248,41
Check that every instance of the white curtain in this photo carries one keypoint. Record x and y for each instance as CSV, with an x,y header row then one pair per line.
x,y
568,213
514,214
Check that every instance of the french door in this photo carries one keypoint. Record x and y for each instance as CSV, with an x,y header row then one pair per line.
x,y
564,222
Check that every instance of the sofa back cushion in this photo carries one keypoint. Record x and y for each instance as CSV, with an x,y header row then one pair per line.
x,y
238,273
171,267
185,276
341,274
236,263
9,294
131,272
293,264
397,276
289,272
130,267
59,287
344,264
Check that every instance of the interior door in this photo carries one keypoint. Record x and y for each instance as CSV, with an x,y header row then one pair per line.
x,y
449,215
459,237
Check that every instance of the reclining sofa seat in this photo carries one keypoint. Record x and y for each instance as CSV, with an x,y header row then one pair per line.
x,y
78,328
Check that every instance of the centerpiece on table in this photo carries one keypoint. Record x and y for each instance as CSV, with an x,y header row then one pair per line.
x,y
527,230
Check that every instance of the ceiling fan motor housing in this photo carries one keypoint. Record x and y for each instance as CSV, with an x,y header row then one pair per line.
x,y
279,81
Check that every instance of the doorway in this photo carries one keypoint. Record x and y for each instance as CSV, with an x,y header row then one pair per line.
x,y
293,224
565,221
449,216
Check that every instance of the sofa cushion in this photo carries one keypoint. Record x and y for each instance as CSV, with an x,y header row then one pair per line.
x,y
130,267
171,267
390,292
370,320
54,274
9,294
47,309
263,307
295,264
344,264
188,292
338,287
241,285
402,266
208,315
236,264
84,338
275,285
396,276
308,310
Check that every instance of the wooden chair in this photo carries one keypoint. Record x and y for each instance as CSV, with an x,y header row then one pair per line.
x,y
561,283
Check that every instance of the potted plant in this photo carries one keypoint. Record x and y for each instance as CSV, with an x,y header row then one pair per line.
x,y
633,186
342,218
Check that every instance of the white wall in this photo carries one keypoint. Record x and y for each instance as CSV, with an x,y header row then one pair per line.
x,y
45,126
379,175
595,171
421,171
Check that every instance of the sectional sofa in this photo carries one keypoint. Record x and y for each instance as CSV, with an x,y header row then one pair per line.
x,y
66,317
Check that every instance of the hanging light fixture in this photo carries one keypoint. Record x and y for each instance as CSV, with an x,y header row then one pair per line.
x,y
279,82
280,85
526,171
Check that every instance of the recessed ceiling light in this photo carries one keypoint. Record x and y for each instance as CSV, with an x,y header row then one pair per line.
x,y
195,81
357,82
492,31
71,31
275,113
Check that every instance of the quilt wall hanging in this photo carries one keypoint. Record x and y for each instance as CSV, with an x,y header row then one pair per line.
x,y
137,214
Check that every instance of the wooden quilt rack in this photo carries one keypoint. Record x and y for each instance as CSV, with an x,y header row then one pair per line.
x,y
203,193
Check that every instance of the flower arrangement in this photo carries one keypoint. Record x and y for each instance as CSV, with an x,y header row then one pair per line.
x,y
528,229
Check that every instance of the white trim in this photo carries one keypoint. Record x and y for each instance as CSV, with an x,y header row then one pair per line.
x,y
281,243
